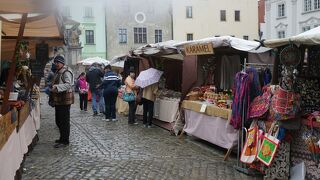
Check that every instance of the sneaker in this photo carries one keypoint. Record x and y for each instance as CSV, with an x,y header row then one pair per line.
x,y
85,110
95,113
150,126
135,123
114,120
108,120
146,126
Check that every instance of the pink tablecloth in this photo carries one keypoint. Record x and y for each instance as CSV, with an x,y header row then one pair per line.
x,y
210,128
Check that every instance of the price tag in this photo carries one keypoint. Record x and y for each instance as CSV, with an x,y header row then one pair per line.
x,y
203,108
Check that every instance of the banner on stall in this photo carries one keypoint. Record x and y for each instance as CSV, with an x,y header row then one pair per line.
x,y
199,49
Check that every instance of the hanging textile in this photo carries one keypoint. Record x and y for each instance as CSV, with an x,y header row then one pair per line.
x,y
267,76
230,65
314,61
241,99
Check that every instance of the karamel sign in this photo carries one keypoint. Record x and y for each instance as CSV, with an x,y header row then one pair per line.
x,y
198,49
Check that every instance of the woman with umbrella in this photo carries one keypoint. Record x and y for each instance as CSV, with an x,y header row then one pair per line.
x,y
148,80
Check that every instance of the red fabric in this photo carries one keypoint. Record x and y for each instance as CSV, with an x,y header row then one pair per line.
x,y
260,105
89,95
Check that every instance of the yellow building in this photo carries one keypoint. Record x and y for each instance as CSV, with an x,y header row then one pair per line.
x,y
196,19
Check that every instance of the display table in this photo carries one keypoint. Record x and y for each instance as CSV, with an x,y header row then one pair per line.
x,y
13,151
164,109
211,110
122,106
211,126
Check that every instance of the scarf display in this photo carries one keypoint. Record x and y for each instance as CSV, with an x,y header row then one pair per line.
x,y
241,99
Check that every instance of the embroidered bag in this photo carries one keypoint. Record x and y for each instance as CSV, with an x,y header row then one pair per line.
x,y
285,105
260,105
269,146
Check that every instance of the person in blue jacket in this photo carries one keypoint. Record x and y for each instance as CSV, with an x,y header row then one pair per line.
x,y
111,83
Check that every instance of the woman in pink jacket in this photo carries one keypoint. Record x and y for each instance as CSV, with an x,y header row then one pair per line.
x,y
83,91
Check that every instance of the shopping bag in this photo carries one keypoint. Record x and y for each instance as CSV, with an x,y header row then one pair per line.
x,y
128,97
250,149
269,146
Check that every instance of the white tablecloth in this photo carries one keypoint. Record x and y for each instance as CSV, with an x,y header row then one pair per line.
x,y
11,155
164,109
213,129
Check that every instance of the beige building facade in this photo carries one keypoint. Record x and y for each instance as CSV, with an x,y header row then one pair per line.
x,y
131,24
196,19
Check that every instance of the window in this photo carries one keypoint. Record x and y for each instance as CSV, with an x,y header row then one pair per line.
x,y
140,35
281,10
88,12
223,15
306,28
189,11
66,11
189,37
158,36
237,15
89,37
281,34
122,35
307,5
246,37
316,4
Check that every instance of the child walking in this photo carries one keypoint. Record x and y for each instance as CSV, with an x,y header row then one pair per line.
x,y
83,91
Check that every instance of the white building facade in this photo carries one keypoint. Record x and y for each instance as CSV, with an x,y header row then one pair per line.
x,y
133,23
196,19
285,18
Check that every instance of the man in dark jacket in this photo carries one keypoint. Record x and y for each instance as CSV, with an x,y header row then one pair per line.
x,y
93,77
111,83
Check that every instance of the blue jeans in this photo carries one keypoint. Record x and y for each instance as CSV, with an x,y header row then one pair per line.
x,y
100,104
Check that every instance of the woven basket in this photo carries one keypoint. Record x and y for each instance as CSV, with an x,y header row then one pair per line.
x,y
195,94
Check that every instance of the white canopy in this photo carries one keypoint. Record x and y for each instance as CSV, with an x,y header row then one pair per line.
x,y
236,43
150,49
91,60
311,37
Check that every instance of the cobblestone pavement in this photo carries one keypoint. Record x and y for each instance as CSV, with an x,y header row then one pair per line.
x,y
116,150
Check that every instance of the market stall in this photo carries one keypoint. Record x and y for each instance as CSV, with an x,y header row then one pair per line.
x,y
29,29
209,70
297,72
165,57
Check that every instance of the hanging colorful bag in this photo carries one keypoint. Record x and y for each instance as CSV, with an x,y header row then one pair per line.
x,y
284,105
250,149
128,97
269,146
260,105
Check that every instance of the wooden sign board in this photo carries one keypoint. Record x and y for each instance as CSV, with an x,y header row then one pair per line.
x,y
198,49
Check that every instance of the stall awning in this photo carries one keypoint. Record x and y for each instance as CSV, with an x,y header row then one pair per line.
x,y
162,48
311,37
38,26
27,6
228,41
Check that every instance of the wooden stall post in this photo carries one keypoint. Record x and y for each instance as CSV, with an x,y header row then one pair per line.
x,y
9,82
